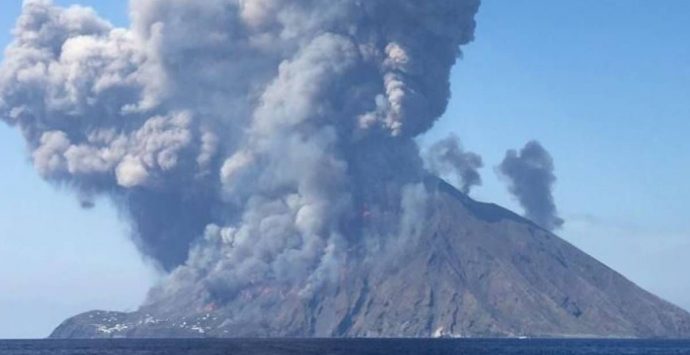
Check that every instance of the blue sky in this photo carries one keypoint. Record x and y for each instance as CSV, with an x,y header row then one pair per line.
x,y
603,84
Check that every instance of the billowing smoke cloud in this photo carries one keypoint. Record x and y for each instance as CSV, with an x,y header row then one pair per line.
x,y
247,141
446,157
531,179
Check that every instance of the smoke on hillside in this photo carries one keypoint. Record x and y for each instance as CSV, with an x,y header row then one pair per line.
x,y
447,157
530,174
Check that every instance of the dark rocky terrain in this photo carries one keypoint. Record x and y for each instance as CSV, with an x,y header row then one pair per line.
x,y
477,270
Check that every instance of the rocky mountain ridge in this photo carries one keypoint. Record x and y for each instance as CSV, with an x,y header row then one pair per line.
x,y
477,270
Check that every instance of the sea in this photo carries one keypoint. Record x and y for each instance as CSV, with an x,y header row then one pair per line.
x,y
343,346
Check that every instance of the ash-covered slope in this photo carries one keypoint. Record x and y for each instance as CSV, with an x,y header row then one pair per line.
x,y
476,270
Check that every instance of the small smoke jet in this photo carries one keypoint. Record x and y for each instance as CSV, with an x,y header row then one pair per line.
x,y
447,157
531,178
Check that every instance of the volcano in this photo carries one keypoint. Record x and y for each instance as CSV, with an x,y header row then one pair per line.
x,y
473,270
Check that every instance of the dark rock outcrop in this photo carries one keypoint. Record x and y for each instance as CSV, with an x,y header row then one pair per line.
x,y
477,270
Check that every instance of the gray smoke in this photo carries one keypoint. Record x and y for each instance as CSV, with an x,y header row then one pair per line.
x,y
446,157
249,142
531,179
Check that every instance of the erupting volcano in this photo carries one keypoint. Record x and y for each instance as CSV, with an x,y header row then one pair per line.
x,y
264,153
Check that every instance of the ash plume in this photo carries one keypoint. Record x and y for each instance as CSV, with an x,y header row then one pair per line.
x,y
448,157
531,178
248,142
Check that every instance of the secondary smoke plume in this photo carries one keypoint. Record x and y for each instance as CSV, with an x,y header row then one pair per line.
x,y
249,142
531,178
447,157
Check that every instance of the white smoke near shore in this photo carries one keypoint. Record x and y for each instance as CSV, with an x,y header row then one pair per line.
x,y
248,141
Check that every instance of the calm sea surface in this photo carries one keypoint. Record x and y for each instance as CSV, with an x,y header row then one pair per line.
x,y
358,346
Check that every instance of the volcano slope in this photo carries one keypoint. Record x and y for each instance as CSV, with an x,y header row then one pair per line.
x,y
473,270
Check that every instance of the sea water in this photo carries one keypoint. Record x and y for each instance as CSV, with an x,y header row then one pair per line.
x,y
343,346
